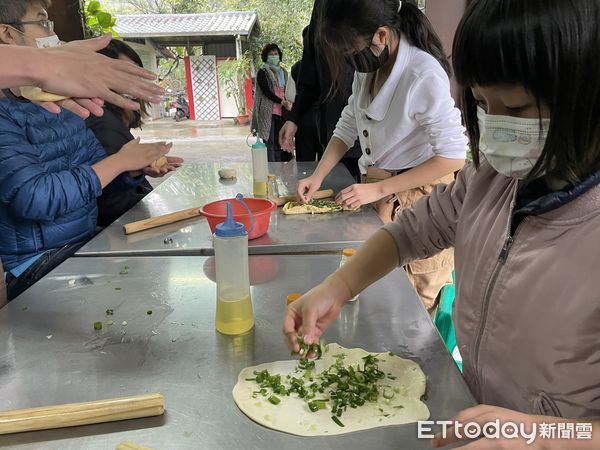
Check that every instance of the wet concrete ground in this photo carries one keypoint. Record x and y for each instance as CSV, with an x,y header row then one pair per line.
x,y
194,141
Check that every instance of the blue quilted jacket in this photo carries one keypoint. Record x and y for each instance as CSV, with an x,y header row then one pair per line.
x,y
48,189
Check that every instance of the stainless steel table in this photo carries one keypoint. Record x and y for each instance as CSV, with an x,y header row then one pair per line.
x,y
198,184
50,354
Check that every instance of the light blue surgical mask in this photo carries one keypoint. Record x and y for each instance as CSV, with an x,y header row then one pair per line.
x,y
273,60
511,145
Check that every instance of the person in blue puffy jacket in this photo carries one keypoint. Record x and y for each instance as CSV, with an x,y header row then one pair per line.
x,y
52,168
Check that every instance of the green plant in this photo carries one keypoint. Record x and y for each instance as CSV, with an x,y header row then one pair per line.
x,y
280,22
98,20
232,76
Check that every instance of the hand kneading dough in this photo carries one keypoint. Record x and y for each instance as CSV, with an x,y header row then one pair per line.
x,y
293,416
227,174
159,163
35,94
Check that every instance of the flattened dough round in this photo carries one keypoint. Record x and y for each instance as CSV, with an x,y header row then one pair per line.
x,y
36,94
293,416
227,174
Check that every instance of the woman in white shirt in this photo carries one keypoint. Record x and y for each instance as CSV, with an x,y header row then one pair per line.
x,y
402,111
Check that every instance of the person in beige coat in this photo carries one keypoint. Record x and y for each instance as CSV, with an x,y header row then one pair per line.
x,y
524,219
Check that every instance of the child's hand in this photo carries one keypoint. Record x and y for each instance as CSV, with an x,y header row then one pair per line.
x,y
136,156
360,194
306,188
311,315
173,163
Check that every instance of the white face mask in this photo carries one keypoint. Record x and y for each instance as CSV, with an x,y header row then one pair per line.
x,y
511,145
47,42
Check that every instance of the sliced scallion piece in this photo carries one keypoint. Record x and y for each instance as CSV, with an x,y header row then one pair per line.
x,y
337,421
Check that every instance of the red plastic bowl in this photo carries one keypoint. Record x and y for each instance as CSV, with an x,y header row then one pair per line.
x,y
216,213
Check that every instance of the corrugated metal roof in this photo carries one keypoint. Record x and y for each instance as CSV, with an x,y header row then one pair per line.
x,y
209,24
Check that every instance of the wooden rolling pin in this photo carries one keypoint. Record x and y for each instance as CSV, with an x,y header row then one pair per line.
x,y
319,195
148,224
76,414
126,445
159,221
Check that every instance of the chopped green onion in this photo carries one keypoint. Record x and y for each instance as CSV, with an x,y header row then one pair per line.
x,y
97,326
274,400
110,312
337,421
387,393
149,312
347,386
316,405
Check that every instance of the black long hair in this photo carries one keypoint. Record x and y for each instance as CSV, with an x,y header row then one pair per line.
x,y
113,50
345,25
551,48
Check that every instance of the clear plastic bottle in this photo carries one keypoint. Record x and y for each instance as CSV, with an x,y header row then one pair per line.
x,y
348,253
234,306
260,168
272,188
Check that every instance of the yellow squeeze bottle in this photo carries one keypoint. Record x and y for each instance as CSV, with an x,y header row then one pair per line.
x,y
234,306
260,168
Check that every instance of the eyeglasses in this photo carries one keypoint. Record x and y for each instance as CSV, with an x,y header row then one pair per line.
x,y
46,24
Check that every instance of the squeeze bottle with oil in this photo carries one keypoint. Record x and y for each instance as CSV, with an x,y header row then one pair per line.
x,y
234,306
260,168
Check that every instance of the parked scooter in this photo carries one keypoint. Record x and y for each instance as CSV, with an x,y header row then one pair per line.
x,y
182,108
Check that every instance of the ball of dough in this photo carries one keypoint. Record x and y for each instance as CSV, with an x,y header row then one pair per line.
x,y
36,95
159,163
227,174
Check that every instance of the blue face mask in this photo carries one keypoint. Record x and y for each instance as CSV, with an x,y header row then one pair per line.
x,y
273,60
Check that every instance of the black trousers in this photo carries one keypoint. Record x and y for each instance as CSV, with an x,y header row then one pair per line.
x,y
274,151
308,143
329,115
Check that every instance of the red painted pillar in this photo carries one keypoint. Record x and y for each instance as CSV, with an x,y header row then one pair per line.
x,y
248,95
190,89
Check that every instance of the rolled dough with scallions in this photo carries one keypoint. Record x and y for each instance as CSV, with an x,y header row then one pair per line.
x,y
404,383
315,207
